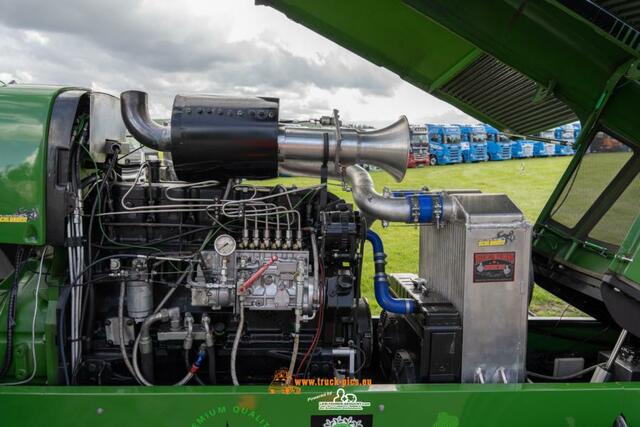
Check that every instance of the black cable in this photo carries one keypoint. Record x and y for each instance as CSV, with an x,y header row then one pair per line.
x,y
11,312
62,303
87,315
130,153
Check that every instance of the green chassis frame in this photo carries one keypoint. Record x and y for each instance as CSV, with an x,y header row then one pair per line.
x,y
406,405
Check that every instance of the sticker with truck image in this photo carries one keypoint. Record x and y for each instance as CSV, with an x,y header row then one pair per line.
x,y
494,267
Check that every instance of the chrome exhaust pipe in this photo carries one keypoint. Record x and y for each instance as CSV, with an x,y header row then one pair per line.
x,y
301,150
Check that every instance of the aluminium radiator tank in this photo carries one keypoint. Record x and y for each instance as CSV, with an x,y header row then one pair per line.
x,y
479,260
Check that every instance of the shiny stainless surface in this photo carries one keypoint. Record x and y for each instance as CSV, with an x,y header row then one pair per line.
x,y
105,124
301,150
373,204
494,314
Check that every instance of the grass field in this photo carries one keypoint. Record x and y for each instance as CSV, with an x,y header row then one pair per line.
x,y
527,182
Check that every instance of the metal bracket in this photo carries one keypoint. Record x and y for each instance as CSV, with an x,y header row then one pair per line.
x,y
336,119
543,93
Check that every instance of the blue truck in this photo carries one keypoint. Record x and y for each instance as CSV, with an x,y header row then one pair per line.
x,y
545,149
498,144
522,148
565,133
444,144
473,143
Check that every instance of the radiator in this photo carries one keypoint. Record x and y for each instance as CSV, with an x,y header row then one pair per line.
x,y
480,262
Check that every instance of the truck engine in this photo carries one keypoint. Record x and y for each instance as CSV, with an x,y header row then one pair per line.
x,y
192,274
179,264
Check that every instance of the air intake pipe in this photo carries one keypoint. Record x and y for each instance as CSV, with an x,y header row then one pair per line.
x,y
135,114
409,207
216,137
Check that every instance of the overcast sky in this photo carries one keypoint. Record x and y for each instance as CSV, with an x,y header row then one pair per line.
x,y
228,47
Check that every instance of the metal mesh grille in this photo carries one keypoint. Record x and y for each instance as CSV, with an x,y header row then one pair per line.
x,y
507,96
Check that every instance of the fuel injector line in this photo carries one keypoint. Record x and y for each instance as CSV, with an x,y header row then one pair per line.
x,y
255,276
387,301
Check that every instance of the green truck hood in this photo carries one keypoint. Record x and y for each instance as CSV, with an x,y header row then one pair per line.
x,y
522,66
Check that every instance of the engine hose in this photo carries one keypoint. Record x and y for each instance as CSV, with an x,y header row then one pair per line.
x,y
11,313
211,355
147,368
294,354
236,343
385,299
188,365
144,340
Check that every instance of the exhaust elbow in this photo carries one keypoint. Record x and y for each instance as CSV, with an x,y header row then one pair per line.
x,y
135,114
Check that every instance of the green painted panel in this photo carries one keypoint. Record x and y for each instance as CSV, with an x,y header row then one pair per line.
x,y
627,260
24,122
397,406
45,345
538,39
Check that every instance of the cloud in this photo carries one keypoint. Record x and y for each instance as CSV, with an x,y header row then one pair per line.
x,y
140,40
167,47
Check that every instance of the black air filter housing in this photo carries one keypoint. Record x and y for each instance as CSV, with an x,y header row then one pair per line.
x,y
217,137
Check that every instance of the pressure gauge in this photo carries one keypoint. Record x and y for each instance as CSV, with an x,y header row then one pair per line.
x,y
224,245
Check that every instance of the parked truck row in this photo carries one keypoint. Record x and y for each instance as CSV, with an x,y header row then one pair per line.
x,y
444,144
